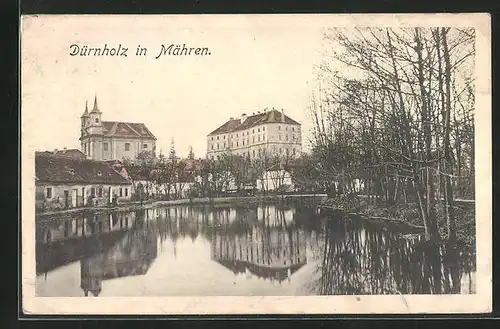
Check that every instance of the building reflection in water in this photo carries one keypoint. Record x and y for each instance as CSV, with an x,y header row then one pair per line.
x,y
63,241
107,245
130,256
350,256
270,248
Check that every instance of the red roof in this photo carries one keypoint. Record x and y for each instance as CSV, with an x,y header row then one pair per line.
x,y
273,116
126,130
57,169
70,153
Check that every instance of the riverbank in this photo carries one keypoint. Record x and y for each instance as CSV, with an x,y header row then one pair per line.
x,y
408,214
137,205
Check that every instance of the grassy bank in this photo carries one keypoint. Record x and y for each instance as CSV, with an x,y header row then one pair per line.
x,y
137,205
464,212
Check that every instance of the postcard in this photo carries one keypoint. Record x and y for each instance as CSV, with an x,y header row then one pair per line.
x,y
256,164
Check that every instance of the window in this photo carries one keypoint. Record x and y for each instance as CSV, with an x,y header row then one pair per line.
x,y
49,192
279,127
126,191
105,146
293,129
99,192
224,137
121,191
243,142
258,138
286,128
212,138
253,153
258,130
99,173
224,144
253,130
286,137
263,128
236,135
96,120
212,146
237,144
144,146
217,137
127,146
92,191
217,145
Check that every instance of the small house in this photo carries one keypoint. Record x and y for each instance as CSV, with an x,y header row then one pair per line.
x,y
69,182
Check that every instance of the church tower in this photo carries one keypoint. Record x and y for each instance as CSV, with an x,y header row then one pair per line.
x,y
95,126
85,117
92,132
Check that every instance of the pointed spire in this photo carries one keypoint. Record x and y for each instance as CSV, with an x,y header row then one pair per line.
x,y
96,108
86,113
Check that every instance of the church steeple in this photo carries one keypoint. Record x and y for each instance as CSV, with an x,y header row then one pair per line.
x,y
86,112
96,107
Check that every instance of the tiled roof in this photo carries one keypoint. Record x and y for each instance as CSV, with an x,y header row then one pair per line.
x,y
126,130
57,169
272,116
71,153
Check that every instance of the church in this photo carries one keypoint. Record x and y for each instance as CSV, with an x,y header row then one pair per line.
x,y
113,140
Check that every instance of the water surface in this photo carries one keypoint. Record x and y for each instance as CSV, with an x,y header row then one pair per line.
x,y
267,250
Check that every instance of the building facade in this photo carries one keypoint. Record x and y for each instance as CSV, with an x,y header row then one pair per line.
x,y
270,132
66,182
113,140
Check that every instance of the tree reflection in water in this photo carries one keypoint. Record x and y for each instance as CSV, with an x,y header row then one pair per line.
x,y
337,254
363,257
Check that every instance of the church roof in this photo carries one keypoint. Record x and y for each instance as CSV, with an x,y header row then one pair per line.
x,y
86,112
96,107
273,116
126,130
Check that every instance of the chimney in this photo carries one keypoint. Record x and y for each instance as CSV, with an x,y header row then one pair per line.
x,y
55,151
243,117
282,115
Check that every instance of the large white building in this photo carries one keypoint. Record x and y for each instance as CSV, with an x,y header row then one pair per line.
x,y
270,131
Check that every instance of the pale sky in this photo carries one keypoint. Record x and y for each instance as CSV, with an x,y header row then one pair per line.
x,y
254,63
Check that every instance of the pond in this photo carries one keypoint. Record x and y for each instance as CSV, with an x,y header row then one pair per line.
x,y
260,250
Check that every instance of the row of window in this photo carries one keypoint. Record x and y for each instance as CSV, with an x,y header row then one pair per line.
x,y
259,152
105,147
127,146
259,139
93,192
253,131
